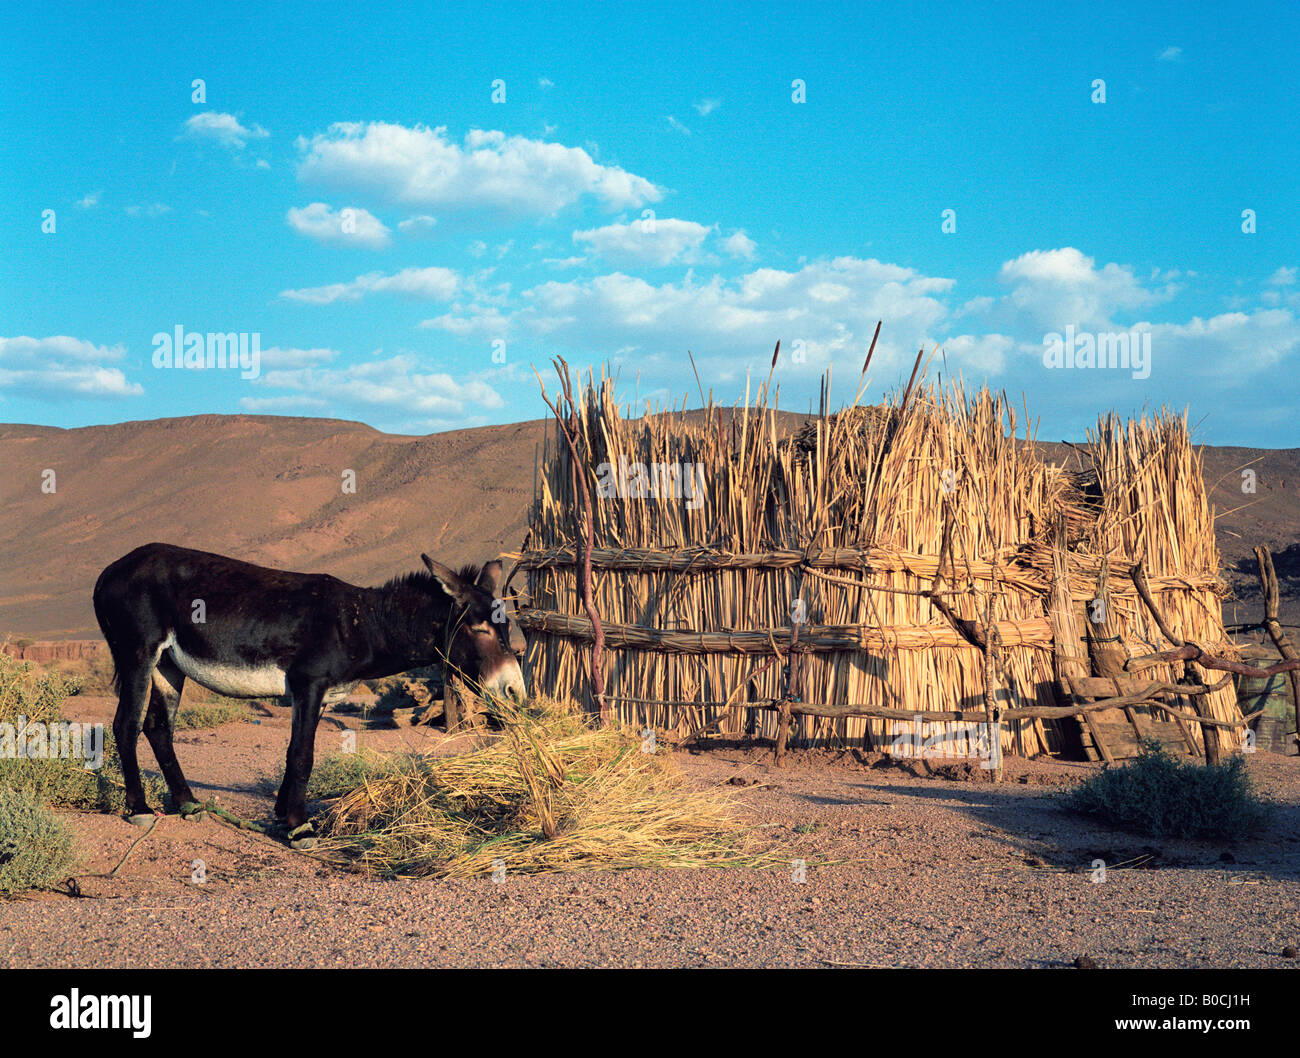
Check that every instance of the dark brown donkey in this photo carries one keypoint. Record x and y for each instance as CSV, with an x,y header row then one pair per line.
x,y
250,632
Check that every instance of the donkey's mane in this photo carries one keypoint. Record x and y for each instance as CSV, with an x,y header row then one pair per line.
x,y
426,581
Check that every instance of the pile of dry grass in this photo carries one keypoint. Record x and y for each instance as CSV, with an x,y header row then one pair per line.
x,y
552,793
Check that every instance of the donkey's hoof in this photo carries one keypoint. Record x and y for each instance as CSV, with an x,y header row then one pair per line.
x,y
141,819
192,812
302,838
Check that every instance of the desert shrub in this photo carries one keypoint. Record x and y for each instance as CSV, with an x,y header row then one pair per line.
x,y
228,711
35,846
336,774
1164,796
27,691
94,673
62,782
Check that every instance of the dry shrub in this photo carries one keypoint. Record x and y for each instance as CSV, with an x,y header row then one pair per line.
x,y
552,793
338,773
35,846
1167,797
214,714
63,782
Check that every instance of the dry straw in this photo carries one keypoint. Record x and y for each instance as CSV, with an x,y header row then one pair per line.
x,y
555,793
843,518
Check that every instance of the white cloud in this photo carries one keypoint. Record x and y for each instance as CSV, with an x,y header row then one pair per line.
x,y
390,390
278,358
982,354
153,209
421,227
490,171
471,321
739,244
224,129
61,367
831,307
1230,348
89,201
1054,288
638,243
350,226
431,284
545,82
673,123
1170,54
1283,277
707,106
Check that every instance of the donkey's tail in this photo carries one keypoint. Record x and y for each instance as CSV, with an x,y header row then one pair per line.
x,y
106,629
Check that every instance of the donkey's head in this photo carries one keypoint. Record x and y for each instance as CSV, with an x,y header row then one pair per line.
x,y
478,633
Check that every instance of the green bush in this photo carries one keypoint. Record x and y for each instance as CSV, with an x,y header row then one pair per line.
x,y
338,773
35,846
93,673
26,691
1163,796
58,781
193,717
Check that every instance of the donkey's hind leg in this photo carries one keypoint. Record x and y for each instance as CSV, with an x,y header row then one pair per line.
x,y
135,675
160,724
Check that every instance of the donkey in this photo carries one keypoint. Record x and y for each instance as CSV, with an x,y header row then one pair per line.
x,y
247,631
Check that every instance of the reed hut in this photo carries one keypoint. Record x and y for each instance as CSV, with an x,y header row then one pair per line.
x,y
838,563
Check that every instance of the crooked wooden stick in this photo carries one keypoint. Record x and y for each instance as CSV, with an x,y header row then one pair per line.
x,y
1192,652
1200,702
1268,584
968,630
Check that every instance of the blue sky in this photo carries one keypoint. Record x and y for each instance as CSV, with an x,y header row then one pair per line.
x,y
405,249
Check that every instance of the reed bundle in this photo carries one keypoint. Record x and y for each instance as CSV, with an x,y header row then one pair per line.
x,y
717,533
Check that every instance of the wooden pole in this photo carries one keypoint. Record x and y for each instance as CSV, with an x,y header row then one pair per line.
x,y
571,429
1190,675
993,723
791,674
1067,635
1268,583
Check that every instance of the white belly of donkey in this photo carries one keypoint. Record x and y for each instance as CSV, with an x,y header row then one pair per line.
x,y
237,681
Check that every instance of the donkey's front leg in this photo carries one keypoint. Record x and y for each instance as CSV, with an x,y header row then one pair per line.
x,y
292,800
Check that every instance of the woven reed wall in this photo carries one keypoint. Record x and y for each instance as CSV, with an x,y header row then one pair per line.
x,y
710,581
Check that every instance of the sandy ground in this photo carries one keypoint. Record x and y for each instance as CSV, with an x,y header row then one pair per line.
x,y
902,870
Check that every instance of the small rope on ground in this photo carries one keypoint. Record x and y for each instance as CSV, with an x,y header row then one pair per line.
x,y
228,817
125,856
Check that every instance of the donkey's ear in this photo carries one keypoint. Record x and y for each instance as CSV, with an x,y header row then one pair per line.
x,y
489,577
451,584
